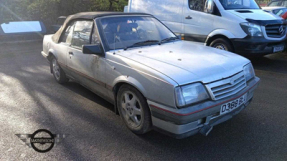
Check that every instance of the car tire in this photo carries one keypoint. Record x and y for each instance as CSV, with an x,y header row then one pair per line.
x,y
58,72
134,110
222,44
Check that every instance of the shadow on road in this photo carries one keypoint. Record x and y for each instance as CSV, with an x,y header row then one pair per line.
x,y
79,89
273,63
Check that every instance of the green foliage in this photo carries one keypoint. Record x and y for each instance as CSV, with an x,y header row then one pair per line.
x,y
8,8
49,10
109,5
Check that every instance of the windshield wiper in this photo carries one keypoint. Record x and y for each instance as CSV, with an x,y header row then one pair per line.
x,y
168,39
142,43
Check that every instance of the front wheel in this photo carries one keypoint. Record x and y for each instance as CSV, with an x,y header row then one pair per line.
x,y
222,44
134,110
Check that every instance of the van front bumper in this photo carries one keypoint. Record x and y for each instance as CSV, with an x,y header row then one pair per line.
x,y
181,123
251,46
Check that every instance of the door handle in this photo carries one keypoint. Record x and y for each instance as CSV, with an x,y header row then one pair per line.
x,y
188,18
71,53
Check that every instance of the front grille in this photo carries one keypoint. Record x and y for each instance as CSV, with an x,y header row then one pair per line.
x,y
227,87
275,31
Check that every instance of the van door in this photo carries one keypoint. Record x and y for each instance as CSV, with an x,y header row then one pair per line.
x,y
167,11
197,23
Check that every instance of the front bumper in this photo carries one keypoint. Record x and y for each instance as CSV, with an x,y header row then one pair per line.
x,y
249,46
181,123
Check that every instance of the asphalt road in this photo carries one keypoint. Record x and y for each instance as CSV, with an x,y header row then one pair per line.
x,y
30,99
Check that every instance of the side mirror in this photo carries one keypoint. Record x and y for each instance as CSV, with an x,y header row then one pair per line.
x,y
209,6
93,49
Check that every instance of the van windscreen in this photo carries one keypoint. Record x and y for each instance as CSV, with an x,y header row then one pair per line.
x,y
239,4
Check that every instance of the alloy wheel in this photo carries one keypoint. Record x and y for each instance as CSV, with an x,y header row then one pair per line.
x,y
56,69
220,46
131,108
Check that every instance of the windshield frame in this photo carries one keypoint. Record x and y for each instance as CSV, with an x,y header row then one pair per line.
x,y
240,8
104,40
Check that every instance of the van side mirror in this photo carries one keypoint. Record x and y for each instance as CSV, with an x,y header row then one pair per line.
x,y
93,49
209,6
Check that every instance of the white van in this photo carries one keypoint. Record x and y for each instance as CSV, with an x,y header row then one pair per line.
x,y
238,26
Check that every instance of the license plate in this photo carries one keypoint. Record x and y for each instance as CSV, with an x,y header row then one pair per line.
x,y
232,105
278,49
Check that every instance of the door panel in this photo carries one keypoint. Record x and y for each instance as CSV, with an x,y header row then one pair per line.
x,y
88,69
62,52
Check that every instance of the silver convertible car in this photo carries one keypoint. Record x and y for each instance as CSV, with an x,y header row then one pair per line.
x,y
154,79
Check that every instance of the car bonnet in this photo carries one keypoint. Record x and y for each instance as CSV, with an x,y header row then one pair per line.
x,y
187,62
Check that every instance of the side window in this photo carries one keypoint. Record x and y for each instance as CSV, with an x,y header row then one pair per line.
x,y
66,36
197,5
82,33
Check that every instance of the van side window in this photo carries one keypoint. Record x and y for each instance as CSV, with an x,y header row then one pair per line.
x,y
197,5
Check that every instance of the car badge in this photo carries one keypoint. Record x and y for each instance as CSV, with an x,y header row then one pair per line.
x,y
281,30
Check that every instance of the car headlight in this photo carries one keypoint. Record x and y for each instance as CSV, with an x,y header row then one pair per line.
x,y
251,29
249,71
189,94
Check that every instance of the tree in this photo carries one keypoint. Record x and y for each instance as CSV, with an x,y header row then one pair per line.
x,y
111,4
48,11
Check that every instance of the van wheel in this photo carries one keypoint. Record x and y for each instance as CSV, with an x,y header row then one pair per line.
x,y
58,72
221,44
133,109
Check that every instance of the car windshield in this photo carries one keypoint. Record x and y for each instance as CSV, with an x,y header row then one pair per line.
x,y
21,27
239,4
130,31
280,12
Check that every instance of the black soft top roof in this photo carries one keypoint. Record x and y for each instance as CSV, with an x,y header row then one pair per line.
x,y
88,16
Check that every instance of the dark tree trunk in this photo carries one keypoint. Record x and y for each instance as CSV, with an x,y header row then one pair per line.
x,y
111,5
